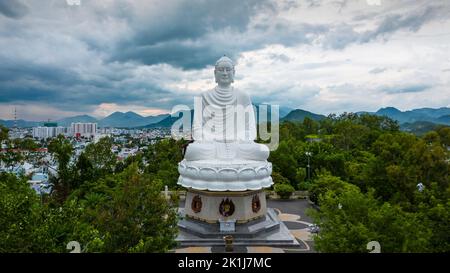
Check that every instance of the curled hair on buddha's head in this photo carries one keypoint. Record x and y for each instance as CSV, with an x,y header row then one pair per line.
x,y
224,59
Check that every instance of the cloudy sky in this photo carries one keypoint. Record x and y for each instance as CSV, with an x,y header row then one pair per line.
x,y
60,59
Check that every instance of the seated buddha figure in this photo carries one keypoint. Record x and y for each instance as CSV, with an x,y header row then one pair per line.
x,y
224,127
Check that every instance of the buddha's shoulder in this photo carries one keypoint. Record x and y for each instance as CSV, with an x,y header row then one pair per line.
x,y
242,97
207,92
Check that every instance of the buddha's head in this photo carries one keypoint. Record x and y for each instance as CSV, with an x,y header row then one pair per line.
x,y
224,71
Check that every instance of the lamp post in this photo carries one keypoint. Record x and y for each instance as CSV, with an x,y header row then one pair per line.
x,y
420,187
308,154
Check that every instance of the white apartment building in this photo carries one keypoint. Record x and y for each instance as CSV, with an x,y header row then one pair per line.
x,y
43,132
83,129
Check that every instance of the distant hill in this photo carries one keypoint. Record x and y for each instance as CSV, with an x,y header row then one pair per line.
x,y
300,115
119,119
393,113
133,120
116,119
439,115
444,119
155,119
128,120
282,111
419,127
168,121
20,123
434,113
165,123
65,122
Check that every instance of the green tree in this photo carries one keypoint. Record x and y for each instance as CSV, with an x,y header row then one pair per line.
x,y
94,163
433,206
310,126
279,179
19,216
11,157
62,150
163,158
301,179
432,137
137,218
29,225
326,182
101,157
444,135
3,133
349,220
284,162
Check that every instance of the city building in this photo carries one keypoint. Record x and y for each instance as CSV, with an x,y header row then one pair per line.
x,y
44,132
83,129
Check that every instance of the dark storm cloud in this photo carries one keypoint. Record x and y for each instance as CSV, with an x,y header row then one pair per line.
x,y
411,22
181,36
342,35
193,19
199,52
67,89
84,96
176,54
75,58
13,8
31,72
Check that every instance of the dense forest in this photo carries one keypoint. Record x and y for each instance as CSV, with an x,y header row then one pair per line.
x,y
371,182
363,175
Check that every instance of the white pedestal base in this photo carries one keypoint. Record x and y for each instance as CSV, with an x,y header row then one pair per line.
x,y
210,207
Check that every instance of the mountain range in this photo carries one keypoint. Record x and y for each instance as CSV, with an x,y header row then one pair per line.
x,y
116,119
439,115
300,115
129,119
132,120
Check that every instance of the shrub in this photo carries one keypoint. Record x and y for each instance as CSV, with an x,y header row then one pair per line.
x,y
284,190
304,186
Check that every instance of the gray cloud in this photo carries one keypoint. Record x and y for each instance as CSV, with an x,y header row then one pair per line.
x,y
280,57
412,21
75,58
198,53
407,88
68,89
193,34
181,35
13,9
377,70
313,3
342,35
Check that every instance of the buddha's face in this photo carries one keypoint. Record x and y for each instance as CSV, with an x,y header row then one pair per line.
x,y
224,74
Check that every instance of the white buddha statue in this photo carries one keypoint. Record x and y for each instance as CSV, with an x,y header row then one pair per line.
x,y
224,125
224,156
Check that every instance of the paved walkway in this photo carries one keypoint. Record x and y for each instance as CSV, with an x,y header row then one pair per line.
x,y
292,213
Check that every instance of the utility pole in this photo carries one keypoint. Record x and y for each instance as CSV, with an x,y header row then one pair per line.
x,y
308,154
15,119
